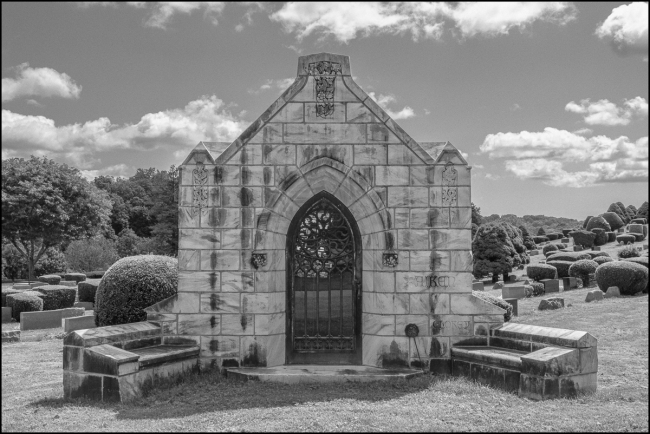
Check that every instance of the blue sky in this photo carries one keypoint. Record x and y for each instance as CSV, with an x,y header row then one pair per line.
x,y
548,100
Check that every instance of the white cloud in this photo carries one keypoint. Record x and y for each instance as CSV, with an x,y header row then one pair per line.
x,y
385,100
203,119
604,112
281,84
34,103
427,111
626,28
347,21
161,13
583,132
121,170
41,82
491,176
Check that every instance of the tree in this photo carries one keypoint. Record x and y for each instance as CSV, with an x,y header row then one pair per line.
x,y
45,204
541,232
497,248
477,218
91,254
165,194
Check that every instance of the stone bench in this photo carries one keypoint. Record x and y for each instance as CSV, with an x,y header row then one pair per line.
x,y
113,363
536,362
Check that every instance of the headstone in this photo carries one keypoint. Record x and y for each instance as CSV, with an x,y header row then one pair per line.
x,y
551,303
22,286
47,319
512,278
477,286
564,240
569,283
595,248
88,305
6,314
513,292
78,323
612,292
515,305
621,230
533,253
645,247
70,283
577,248
596,294
498,285
551,285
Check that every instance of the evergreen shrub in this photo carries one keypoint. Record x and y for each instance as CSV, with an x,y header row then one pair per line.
x,y
643,260
77,277
541,271
549,248
6,292
637,237
613,219
630,277
562,267
50,279
640,221
57,296
568,256
499,302
625,238
596,253
552,236
584,224
598,222
583,269
583,238
602,259
87,290
566,232
628,252
611,237
540,239
25,303
95,274
538,289
132,284
11,297
601,236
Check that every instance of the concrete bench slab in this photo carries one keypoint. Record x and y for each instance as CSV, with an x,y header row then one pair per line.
x,y
294,374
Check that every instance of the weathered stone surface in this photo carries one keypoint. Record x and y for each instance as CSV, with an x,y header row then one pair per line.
x,y
47,319
514,303
78,323
6,314
517,292
612,291
498,285
594,295
569,283
551,285
478,286
551,304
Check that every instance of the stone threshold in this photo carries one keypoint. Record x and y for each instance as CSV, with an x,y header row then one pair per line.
x,y
293,374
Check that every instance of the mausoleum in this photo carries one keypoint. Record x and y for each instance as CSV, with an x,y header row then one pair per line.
x,y
323,235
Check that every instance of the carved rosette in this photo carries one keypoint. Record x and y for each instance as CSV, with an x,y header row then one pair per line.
x,y
324,74
390,259
199,188
449,186
258,260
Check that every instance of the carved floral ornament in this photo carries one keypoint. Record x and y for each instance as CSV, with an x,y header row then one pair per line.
x,y
258,259
390,259
324,74
199,188
449,187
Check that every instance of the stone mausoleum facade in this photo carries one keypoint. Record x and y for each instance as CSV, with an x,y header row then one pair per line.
x,y
320,234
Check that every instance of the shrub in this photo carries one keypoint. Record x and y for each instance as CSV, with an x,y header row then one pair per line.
x,y
11,297
566,232
598,222
637,237
584,224
602,259
499,302
643,260
642,211
611,237
25,303
550,252
628,276
50,279
625,238
58,296
552,236
95,274
561,266
540,239
549,248
6,292
541,271
583,238
601,236
541,232
77,277
561,246
91,254
568,256
88,289
640,221
595,254
613,219
627,252
133,284
538,289
583,269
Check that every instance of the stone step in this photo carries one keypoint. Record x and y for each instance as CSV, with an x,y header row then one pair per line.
x,y
159,354
292,374
494,356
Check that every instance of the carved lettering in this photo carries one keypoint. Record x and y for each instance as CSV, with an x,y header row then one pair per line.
x,y
430,281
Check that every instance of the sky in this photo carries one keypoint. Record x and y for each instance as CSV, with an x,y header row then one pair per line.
x,y
549,101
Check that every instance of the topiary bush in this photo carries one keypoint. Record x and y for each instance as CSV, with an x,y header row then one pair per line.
x,y
630,277
611,237
602,259
601,236
568,256
586,222
541,271
625,238
552,236
50,279
583,269
561,266
549,248
132,284
538,289
6,292
613,219
628,252
499,302
11,297
77,277
637,237
640,221
643,260
87,290
583,238
95,274
540,239
57,296
25,303
561,246
598,222
566,232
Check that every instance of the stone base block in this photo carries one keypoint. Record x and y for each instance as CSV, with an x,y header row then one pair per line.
x,y
515,305
488,375
78,323
478,286
6,314
551,285
298,374
595,248
564,240
516,292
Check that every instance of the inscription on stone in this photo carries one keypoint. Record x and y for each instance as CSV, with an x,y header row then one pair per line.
x,y
457,327
431,281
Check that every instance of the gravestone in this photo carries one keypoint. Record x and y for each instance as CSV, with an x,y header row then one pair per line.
x,y
569,283
551,285
516,292
320,233
515,305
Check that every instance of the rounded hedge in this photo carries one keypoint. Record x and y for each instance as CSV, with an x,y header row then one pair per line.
x,y
630,277
598,222
628,252
586,222
538,289
596,253
77,277
132,284
6,292
582,269
561,246
611,237
601,236
549,248
95,274
625,238
497,302
12,297
87,290
561,266
643,260
613,220
552,236
540,239
541,271
25,303
568,256
583,238
57,296
566,232
50,279
602,259
637,237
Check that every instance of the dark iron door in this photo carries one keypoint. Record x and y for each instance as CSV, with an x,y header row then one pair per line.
x,y
324,279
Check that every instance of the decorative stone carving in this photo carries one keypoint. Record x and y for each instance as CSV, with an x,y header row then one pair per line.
x,y
258,260
390,259
199,189
449,185
324,74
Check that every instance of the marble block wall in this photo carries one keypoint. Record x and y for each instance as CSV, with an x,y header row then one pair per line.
x,y
410,201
